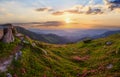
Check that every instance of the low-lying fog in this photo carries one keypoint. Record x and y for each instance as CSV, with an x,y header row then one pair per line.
x,y
72,34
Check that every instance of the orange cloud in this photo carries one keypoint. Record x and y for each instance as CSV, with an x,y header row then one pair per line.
x,y
58,13
92,9
73,11
44,9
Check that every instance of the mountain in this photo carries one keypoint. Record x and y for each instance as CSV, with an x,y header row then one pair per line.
x,y
108,33
105,34
73,35
48,38
30,58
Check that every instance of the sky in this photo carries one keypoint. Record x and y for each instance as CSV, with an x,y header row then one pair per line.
x,y
61,14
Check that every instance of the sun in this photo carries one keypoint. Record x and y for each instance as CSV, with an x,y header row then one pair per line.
x,y
67,20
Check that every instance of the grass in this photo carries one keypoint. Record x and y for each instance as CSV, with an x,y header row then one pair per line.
x,y
59,62
5,49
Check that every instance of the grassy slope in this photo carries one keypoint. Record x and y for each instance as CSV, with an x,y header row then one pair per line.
x,y
59,60
5,49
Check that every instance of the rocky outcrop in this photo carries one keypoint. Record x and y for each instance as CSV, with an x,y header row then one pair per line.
x,y
7,33
1,33
5,64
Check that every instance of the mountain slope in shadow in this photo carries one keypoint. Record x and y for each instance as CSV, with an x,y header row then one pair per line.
x,y
48,38
108,33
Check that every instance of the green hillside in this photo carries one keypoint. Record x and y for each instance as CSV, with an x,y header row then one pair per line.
x,y
83,59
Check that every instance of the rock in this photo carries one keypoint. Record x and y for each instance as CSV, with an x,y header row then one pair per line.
x,y
87,40
15,75
5,64
14,30
18,35
33,44
77,58
8,75
8,34
23,71
110,66
45,52
25,42
108,43
117,51
85,73
1,33
18,55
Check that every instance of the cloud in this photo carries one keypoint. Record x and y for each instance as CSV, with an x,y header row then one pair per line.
x,y
112,4
51,23
38,24
2,9
106,26
58,13
81,10
94,11
73,11
44,9
90,8
115,1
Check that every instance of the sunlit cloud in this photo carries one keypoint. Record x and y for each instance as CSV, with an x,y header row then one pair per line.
x,y
58,13
92,8
85,10
104,11
44,9
114,4
48,23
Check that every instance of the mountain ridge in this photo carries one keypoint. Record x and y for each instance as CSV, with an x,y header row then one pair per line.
x,y
31,58
98,58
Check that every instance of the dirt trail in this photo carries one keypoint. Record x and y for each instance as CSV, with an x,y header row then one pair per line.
x,y
16,49
6,63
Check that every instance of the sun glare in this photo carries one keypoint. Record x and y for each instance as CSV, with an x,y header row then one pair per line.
x,y
67,20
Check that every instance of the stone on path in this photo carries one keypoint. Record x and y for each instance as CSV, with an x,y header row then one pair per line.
x,y
110,66
9,75
5,64
18,55
108,43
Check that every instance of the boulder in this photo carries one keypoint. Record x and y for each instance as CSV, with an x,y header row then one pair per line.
x,y
8,33
87,40
110,66
33,44
8,36
1,33
108,43
25,41
8,75
18,55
